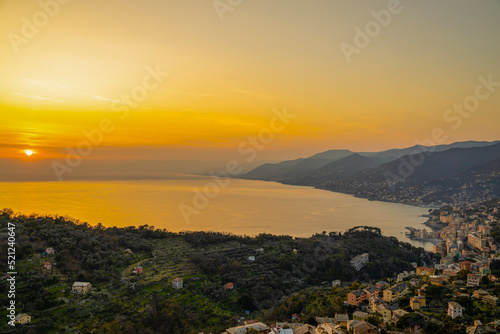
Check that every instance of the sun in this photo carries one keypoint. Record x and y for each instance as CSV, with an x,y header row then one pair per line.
x,y
29,152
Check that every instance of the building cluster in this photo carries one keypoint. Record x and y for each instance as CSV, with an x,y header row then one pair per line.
x,y
465,232
336,325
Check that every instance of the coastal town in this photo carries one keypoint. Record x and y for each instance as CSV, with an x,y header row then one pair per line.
x,y
465,264
453,289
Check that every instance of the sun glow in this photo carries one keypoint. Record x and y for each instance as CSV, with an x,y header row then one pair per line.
x,y
29,152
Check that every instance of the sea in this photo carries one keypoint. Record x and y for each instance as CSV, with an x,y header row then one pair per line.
x,y
204,203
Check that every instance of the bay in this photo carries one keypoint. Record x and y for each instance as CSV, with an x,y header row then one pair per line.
x,y
240,207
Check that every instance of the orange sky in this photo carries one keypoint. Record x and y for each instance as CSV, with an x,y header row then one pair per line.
x,y
225,77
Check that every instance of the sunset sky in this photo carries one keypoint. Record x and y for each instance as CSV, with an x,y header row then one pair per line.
x,y
225,76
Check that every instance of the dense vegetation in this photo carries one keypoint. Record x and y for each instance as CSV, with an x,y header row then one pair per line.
x,y
122,302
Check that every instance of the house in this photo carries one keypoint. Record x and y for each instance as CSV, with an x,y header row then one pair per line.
x,y
414,281
455,310
473,280
485,271
336,283
480,329
251,258
356,297
177,283
291,325
341,319
396,292
359,261
371,291
417,302
374,301
382,285
358,327
322,320
259,327
421,271
384,310
450,272
47,265
81,287
358,315
397,314
491,300
22,319
128,250
229,286
329,328
137,270
465,265
446,260
280,330
50,251
480,294
305,329
439,280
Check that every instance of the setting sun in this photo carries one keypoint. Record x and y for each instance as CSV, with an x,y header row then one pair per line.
x,y
29,152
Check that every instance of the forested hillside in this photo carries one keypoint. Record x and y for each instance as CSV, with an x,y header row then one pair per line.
x,y
123,302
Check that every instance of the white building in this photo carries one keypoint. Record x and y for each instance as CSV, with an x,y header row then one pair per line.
x,y
177,283
359,261
455,310
81,287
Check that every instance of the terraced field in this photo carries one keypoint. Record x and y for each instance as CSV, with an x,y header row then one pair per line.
x,y
170,260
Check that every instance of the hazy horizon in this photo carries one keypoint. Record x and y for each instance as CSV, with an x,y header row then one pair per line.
x,y
170,80
37,169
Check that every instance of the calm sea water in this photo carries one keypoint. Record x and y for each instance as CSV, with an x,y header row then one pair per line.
x,y
242,207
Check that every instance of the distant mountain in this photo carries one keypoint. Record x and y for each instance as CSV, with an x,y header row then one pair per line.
x,y
303,167
393,154
394,175
293,168
332,155
401,181
336,170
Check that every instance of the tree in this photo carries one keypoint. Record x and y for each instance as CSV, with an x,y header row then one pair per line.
x,y
462,274
312,321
